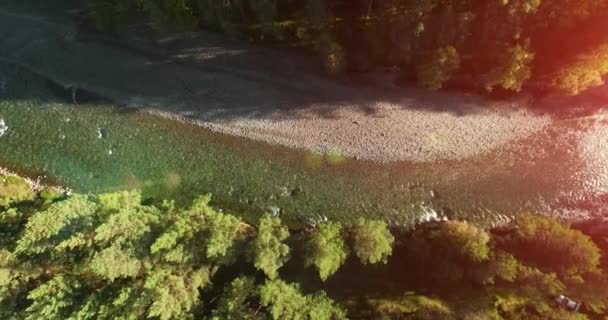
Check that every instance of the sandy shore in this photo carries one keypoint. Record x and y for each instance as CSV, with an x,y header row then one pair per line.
x,y
270,98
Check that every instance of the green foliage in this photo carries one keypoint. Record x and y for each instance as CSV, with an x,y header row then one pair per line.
x,y
269,251
174,294
505,267
467,242
169,14
413,307
13,189
326,249
587,71
534,280
110,257
502,266
222,230
552,246
112,263
119,200
451,252
52,224
513,70
200,225
437,68
372,241
53,299
50,194
110,15
285,302
234,303
430,40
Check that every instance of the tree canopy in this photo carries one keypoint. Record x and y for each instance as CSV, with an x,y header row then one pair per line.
x,y
372,242
110,256
269,251
475,44
550,245
326,249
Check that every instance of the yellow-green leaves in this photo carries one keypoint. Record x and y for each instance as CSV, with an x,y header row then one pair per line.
x,y
466,241
372,242
437,67
199,226
586,71
113,262
53,299
269,251
119,200
552,246
513,69
57,219
234,303
173,293
326,250
14,189
285,302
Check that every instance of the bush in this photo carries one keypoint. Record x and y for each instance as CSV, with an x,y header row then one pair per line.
x,y
372,242
326,249
552,246
413,307
438,67
50,194
588,70
269,251
285,302
14,189
513,69
463,241
110,15
172,15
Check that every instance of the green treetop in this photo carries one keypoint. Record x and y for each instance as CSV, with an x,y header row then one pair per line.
x,y
372,241
269,251
326,250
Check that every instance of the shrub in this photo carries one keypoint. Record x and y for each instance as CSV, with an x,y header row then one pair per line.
x,y
413,307
50,194
513,69
110,15
234,302
326,249
169,14
286,302
588,70
269,251
14,189
438,67
552,246
372,242
465,242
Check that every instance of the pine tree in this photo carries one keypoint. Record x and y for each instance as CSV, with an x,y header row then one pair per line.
x,y
372,242
269,251
326,250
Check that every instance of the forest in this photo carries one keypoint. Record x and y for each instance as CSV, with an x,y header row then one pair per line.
x,y
118,256
503,47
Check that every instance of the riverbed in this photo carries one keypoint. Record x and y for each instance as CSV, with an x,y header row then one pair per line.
x,y
98,146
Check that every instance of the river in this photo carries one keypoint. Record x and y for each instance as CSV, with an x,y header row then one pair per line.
x,y
97,146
